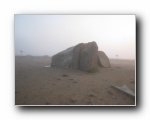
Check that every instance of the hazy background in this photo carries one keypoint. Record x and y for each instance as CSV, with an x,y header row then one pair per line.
x,y
49,34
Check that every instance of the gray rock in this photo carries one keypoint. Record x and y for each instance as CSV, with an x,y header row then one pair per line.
x,y
63,59
85,57
103,60
88,57
76,55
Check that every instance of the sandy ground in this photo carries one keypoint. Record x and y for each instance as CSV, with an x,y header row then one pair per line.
x,y
38,85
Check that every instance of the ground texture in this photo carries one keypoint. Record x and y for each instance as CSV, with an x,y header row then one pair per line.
x,y
39,85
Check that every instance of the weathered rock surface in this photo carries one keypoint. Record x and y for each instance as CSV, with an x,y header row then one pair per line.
x,y
88,57
63,59
76,55
103,60
85,57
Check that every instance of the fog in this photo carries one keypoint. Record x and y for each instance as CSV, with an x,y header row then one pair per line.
x,y
49,34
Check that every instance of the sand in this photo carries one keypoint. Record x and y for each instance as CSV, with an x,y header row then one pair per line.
x,y
39,85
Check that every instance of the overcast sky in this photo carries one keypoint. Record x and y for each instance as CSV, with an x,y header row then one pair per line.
x,y
50,34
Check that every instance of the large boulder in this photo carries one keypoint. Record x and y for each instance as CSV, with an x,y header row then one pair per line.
x,y
103,60
88,57
85,57
63,59
76,56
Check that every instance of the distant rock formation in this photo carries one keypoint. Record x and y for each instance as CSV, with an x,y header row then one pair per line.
x,y
85,57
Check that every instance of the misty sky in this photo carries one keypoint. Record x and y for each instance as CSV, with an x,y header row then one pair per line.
x,y
50,34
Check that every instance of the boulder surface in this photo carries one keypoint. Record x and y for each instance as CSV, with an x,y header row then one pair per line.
x,y
103,60
84,56
88,57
